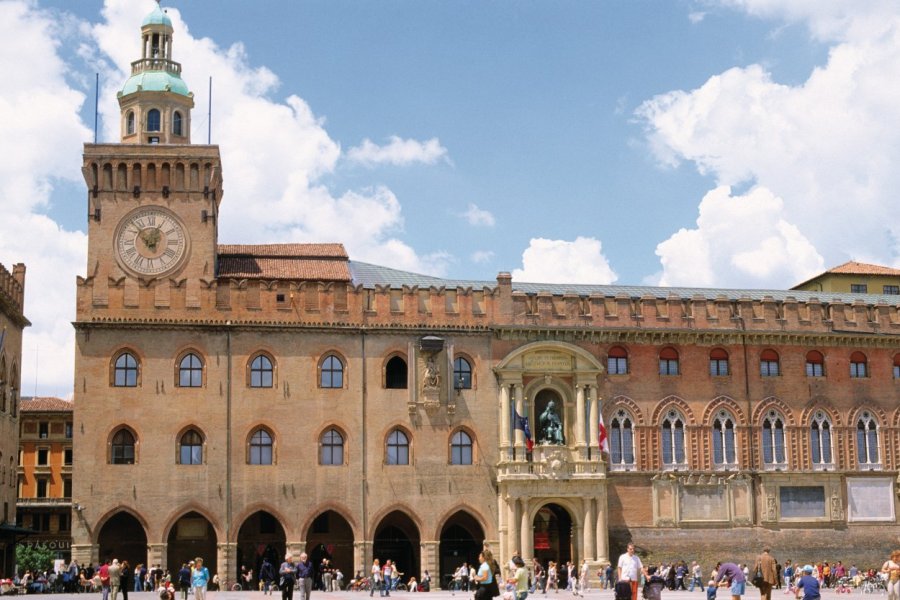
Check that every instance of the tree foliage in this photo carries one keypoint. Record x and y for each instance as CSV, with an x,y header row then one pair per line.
x,y
34,558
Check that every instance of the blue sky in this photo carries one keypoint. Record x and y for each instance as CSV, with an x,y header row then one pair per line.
x,y
729,143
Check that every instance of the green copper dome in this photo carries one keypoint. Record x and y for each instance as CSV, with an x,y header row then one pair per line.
x,y
157,17
155,81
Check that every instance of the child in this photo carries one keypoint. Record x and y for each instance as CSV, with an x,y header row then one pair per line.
x,y
711,590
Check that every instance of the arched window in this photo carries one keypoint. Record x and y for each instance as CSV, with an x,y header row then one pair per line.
x,y
718,362
897,366
621,440
815,364
668,361
858,365
773,440
768,363
190,448
723,440
122,448
331,375
153,120
397,448
261,446
820,440
261,372
190,371
673,454
3,383
14,390
176,123
617,361
395,374
331,448
129,122
867,440
126,370
462,374
461,448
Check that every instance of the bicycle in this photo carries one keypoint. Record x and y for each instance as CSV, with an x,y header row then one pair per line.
x,y
236,587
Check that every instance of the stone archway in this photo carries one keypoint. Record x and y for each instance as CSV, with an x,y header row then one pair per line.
x,y
553,537
192,536
123,537
260,536
462,538
331,536
397,538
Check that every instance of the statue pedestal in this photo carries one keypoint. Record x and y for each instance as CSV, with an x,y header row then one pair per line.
x,y
431,399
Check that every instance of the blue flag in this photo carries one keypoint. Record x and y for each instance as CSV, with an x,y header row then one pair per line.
x,y
522,423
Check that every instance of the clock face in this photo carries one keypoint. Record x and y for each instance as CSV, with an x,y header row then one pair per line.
x,y
150,241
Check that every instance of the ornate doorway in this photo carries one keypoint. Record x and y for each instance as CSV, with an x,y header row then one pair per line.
x,y
553,537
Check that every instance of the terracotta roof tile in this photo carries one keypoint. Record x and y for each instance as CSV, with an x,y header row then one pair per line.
x,y
335,251
858,268
45,404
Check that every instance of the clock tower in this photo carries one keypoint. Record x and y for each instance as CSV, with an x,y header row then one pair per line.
x,y
153,198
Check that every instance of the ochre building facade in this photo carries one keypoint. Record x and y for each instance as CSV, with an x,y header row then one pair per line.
x,y
235,401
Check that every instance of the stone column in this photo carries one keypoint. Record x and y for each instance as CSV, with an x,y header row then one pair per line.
x,y
504,422
226,564
428,560
594,442
362,557
526,531
515,526
579,421
590,546
520,408
602,528
86,554
157,555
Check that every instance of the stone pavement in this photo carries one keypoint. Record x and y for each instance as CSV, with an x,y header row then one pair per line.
x,y
595,594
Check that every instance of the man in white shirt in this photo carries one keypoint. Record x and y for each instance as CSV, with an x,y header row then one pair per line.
x,y
630,569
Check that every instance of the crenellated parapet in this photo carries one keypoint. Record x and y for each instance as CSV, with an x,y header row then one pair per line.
x,y
12,293
130,170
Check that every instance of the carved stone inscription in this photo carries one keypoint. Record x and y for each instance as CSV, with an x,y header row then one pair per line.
x,y
547,361
704,503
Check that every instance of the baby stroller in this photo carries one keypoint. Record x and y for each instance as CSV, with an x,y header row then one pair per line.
x,y
623,590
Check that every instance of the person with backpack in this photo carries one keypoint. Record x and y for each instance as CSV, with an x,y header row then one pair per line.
x,y
184,580
266,576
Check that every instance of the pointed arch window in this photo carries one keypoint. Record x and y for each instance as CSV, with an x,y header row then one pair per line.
x,y
395,373
462,373
897,366
261,448
153,120
190,371
621,440
723,440
617,361
3,383
672,430
815,364
331,448
122,448
190,448
858,365
125,372
261,372
461,448
668,361
773,441
129,123
867,441
718,362
768,363
397,448
820,441
177,125
331,375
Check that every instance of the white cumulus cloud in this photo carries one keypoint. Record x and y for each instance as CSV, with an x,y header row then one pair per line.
x,y
740,241
481,257
561,261
826,148
478,217
398,152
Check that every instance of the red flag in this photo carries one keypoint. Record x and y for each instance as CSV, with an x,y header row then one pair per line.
x,y
604,442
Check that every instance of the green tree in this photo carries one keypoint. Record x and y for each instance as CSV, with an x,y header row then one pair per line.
x,y
34,558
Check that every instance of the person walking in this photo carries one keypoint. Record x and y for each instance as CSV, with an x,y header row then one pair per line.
x,y
184,580
125,576
103,571
768,574
115,580
287,573
519,578
892,568
199,579
306,574
376,579
630,569
266,575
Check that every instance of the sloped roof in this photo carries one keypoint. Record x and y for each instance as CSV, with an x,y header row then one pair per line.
x,y
857,268
314,262
45,404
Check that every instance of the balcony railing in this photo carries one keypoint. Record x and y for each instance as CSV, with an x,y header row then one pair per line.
x,y
155,64
36,502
